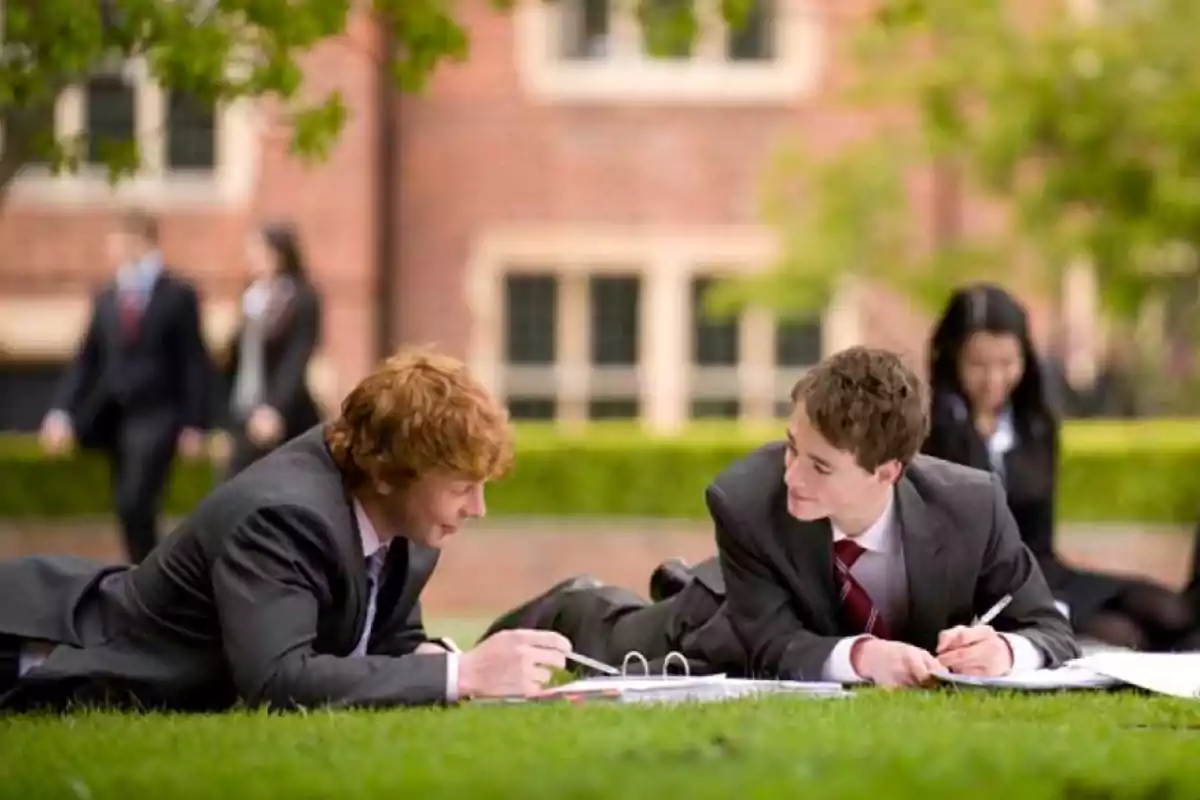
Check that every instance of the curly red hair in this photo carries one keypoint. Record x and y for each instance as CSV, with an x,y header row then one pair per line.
x,y
419,411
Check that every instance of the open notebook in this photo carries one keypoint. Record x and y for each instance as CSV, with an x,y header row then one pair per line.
x,y
642,687
1176,674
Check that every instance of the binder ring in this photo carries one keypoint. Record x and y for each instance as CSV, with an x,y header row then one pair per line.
x,y
639,657
687,670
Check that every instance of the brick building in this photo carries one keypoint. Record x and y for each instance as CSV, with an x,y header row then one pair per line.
x,y
548,209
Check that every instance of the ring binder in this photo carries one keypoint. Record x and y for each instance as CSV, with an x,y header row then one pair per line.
x,y
687,670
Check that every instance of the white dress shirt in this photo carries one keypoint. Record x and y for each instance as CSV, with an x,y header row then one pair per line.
x,y
881,573
372,545
34,653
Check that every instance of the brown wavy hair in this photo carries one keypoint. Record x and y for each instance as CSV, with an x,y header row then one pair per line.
x,y
419,411
866,401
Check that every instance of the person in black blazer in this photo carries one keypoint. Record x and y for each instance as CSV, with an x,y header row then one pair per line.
x,y
297,583
269,401
990,411
136,389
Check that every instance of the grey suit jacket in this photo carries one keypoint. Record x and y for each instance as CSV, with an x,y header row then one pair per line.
x,y
259,596
961,549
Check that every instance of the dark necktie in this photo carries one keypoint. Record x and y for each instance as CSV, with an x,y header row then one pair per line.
x,y
130,302
860,610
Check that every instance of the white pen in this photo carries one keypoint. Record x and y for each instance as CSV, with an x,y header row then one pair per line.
x,y
593,663
995,610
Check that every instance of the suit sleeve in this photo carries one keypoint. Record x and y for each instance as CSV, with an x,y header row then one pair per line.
x,y
404,638
84,367
303,336
1008,567
760,608
193,363
268,585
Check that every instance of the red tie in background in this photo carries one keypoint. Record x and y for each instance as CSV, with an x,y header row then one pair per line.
x,y
131,313
860,610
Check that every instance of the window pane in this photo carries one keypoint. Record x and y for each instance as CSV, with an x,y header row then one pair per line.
x,y
714,343
627,408
532,408
669,27
798,343
614,304
754,39
111,118
531,316
715,409
585,28
191,133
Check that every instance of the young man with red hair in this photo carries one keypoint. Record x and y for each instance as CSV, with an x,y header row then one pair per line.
x,y
295,584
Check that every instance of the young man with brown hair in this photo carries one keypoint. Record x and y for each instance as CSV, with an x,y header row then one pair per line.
x,y
843,556
868,561
295,583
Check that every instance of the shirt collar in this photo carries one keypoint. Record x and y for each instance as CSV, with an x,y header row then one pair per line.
x,y
370,538
144,271
878,538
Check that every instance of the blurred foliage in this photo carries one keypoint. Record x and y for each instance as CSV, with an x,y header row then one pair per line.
x,y
223,50
1082,129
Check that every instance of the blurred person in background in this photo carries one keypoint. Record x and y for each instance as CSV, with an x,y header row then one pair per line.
x,y
990,410
137,387
266,364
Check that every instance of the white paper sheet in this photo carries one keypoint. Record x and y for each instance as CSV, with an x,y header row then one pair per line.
x,y
1038,680
1176,674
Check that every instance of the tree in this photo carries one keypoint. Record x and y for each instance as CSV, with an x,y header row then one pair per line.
x,y
1081,130
223,50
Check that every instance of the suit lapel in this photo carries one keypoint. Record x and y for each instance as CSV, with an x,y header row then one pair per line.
x,y
921,537
809,549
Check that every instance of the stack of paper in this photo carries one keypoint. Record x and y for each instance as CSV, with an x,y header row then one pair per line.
x,y
1040,680
708,688
1176,674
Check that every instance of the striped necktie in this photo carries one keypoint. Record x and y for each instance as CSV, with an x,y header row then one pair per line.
x,y
374,567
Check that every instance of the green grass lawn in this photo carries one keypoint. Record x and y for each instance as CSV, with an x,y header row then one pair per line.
x,y
875,745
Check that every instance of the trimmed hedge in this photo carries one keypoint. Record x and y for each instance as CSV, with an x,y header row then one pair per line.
x,y
1111,471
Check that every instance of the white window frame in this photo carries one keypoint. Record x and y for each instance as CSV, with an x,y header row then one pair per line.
x,y
627,75
666,260
228,183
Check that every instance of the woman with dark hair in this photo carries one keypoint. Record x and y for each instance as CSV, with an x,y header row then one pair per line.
x,y
989,410
267,361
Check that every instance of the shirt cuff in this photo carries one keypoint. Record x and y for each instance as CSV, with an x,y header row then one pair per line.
x,y
1025,654
452,659
838,667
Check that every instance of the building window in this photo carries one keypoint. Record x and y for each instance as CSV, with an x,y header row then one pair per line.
x,y
669,28
754,39
668,51
615,319
110,116
798,346
716,343
191,130
190,153
585,28
531,345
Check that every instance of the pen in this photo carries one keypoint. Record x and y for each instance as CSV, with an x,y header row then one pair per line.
x,y
995,610
593,663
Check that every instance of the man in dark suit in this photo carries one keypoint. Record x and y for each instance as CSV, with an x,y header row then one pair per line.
x,y
295,584
845,556
137,387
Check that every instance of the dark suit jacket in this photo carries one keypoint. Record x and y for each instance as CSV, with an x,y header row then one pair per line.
x,y
260,595
1030,484
287,352
961,550
165,368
